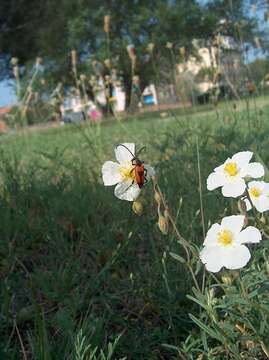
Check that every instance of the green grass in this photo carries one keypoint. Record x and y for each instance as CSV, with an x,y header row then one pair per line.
x,y
75,261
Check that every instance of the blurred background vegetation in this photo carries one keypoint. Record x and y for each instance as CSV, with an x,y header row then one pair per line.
x,y
81,276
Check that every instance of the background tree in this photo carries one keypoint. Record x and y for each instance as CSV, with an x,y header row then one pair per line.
x,y
52,29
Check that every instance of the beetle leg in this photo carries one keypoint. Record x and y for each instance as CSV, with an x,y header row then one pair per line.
x,y
129,186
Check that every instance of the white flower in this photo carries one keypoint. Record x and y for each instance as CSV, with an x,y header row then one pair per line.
x,y
259,195
224,244
230,175
122,173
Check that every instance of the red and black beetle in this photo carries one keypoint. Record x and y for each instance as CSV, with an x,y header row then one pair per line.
x,y
139,168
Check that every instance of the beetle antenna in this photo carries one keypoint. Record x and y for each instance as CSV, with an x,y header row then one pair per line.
x,y
140,150
126,149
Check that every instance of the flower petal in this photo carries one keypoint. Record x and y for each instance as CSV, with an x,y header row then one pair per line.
x,y
110,173
242,158
215,180
233,223
265,188
125,152
235,257
127,191
255,170
212,235
211,257
249,235
150,171
248,204
262,203
220,168
234,189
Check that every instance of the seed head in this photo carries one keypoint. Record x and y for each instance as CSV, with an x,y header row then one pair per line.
x,y
182,51
150,47
107,24
74,58
14,61
169,45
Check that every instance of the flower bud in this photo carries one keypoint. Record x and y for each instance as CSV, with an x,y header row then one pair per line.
x,y
163,224
157,197
166,213
226,279
242,207
250,345
263,220
138,207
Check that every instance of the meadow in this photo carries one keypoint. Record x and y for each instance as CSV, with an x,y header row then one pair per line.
x,y
84,277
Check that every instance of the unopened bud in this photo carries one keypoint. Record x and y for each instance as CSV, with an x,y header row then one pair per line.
x,y
157,197
263,219
166,213
242,207
250,345
163,224
226,279
138,207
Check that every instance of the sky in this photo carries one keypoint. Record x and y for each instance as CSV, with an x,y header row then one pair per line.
x,y
7,93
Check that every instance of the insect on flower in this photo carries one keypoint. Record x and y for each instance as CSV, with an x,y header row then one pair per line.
x,y
139,169
129,174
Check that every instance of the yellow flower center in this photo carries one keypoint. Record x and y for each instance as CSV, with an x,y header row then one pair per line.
x,y
255,192
225,237
231,168
127,172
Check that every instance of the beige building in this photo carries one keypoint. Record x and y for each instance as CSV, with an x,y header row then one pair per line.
x,y
223,54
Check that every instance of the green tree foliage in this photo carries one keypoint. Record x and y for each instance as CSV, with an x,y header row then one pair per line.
x,y
51,29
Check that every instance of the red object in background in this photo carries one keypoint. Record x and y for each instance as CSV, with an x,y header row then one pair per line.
x,y
5,110
95,115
